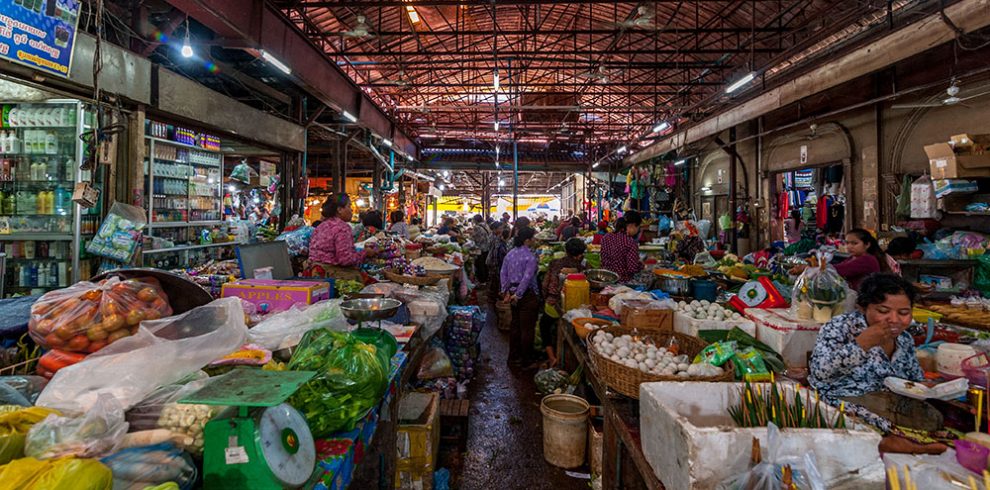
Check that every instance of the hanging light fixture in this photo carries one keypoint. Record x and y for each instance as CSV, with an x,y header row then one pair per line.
x,y
661,127
739,83
413,15
187,50
495,82
496,125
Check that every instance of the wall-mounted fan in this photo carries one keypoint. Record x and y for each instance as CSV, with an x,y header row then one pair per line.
x,y
642,20
601,75
952,98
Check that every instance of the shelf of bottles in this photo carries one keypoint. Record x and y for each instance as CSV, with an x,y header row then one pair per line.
x,y
184,178
41,229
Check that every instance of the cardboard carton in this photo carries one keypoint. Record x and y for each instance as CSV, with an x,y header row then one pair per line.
x,y
945,163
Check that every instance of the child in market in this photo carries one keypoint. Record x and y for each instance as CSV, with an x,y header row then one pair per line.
x,y
552,284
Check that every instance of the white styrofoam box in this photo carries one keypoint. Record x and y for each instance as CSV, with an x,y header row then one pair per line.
x,y
691,441
793,339
690,326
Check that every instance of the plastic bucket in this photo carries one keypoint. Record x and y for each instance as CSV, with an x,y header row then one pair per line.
x,y
565,430
703,289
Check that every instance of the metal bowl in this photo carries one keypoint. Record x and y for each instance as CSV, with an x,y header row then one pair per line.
x,y
369,309
599,278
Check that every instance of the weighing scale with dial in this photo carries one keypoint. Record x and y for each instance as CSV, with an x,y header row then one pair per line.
x,y
761,293
266,444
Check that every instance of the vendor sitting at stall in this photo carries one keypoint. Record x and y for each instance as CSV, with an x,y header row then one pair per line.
x,y
552,310
620,249
866,258
331,248
600,233
901,248
854,352
398,224
371,224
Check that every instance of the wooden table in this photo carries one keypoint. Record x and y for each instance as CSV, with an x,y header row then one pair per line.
x,y
621,440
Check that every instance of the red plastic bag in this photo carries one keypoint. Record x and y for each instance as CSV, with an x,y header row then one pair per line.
x,y
87,316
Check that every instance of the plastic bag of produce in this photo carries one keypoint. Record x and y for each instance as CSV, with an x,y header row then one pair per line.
x,y
14,426
86,316
162,352
23,388
297,240
286,328
819,292
435,364
93,434
59,474
138,468
771,472
145,415
350,381
120,233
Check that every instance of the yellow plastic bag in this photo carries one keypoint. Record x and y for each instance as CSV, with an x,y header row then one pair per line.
x,y
55,474
14,426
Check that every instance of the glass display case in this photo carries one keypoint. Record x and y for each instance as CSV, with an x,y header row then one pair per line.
x,y
184,182
42,230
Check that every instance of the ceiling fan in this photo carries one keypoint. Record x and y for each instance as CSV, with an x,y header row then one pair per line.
x,y
600,75
400,81
642,20
952,98
361,29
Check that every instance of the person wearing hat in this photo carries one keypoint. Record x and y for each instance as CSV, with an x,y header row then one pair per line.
x,y
601,232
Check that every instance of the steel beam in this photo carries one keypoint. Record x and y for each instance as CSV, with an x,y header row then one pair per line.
x,y
265,28
441,3
690,31
566,52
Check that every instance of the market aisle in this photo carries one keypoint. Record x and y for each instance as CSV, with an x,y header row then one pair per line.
x,y
505,446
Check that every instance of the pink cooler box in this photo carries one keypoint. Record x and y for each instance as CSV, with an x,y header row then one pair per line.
x,y
275,295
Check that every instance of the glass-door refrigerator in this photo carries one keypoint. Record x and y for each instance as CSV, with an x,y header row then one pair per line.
x,y
42,230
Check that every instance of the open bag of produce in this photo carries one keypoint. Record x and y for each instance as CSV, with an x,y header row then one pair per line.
x,y
819,293
55,474
286,328
138,468
97,432
161,352
14,426
350,380
87,316
777,470
161,418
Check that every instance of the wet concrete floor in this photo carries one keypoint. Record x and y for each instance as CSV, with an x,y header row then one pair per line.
x,y
505,443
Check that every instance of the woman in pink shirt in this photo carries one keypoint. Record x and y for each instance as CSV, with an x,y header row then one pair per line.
x,y
331,249
866,257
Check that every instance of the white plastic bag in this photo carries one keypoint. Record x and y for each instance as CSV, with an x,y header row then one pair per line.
x,y
162,352
923,205
766,474
819,293
93,434
285,329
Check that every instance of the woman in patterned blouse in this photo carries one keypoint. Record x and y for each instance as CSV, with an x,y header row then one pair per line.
x,y
856,351
331,249
620,249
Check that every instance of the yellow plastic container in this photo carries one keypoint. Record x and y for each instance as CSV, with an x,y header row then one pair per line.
x,y
577,291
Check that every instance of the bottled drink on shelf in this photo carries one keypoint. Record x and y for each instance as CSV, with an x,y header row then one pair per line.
x,y
29,249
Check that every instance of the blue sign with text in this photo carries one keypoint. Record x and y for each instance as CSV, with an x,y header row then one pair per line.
x,y
39,33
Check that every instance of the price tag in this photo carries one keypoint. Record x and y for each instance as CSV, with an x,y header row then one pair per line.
x,y
941,163
235,455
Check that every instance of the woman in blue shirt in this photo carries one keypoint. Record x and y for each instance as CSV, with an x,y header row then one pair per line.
x,y
519,286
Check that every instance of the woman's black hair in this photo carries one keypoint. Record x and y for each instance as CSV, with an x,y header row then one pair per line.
x,y
633,218
575,247
872,247
372,218
415,221
575,221
876,287
396,216
333,204
523,234
478,218
620,225
901,245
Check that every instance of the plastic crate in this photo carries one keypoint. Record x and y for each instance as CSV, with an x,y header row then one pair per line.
x,y
417,440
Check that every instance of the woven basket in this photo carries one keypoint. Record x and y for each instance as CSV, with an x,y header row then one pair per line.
x,y
582,332
626,380
414,280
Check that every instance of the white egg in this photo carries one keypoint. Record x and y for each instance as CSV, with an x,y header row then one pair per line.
x,y
668,371
642,366
682,366
626,338
681,304
609,336
650,362
629,363
651,355
695,303
661,350
622,352
639,358
683,374
705,302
